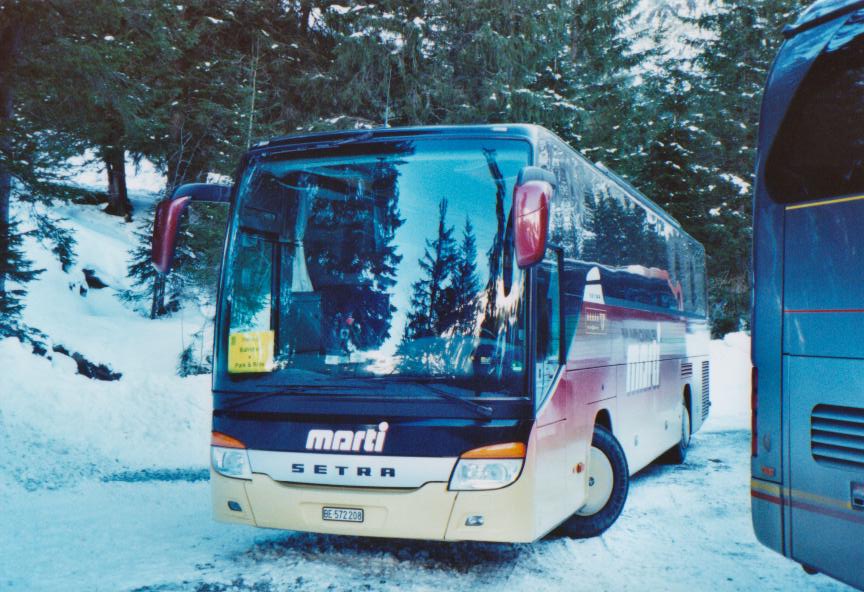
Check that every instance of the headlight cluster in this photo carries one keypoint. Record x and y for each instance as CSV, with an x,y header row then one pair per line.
x,y
228,456
231,462
477,474
489,467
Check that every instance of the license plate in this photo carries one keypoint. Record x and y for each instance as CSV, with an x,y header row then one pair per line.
x,y
342,514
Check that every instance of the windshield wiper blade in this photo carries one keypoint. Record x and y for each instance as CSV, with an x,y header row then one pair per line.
x,y
243,399
324,389
484,410
300,388
426,382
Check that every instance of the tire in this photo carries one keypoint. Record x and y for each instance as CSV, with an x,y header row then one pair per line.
x,y
606,462
678,453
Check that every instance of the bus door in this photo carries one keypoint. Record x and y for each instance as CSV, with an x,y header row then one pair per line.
x,y
555,480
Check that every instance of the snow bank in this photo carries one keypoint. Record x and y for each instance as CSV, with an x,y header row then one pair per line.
x,y
57,426
86,170
730,383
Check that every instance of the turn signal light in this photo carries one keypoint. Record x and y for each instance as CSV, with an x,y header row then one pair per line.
x,y
225,441
509,450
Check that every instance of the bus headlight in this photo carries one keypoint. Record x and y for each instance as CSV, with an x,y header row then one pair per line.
x,y
490,467
228,456
231,462
472,475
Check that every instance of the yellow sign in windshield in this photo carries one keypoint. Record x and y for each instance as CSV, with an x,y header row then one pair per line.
x,y
250,352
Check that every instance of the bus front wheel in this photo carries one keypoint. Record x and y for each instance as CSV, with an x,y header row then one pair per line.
x,y
608,482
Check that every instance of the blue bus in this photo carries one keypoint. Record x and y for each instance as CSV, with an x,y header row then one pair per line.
x,y
807,485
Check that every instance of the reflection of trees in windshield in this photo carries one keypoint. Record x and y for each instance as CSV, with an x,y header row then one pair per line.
x,y
351,255
429,294
456,325
443,299
250,279
501,304
466,284
350,297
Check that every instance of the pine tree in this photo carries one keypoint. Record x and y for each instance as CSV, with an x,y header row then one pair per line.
x,y
465,282
198,257
30,156
735,59
603,83
429,298
15,271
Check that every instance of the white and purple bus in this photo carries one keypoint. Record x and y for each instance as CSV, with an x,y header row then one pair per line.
x,y
451,333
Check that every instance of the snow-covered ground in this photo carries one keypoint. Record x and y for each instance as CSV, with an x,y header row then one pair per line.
x,y
103,484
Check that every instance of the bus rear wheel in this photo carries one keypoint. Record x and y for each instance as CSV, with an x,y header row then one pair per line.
x,y
608,483
678,453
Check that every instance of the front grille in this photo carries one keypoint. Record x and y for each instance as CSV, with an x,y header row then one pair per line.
x,y
706,388
686,369
837,435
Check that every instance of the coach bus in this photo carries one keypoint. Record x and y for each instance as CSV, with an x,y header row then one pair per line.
x,y
451,333
807,485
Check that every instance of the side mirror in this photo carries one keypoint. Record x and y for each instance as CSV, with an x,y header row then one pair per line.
x,y
531,196
168,214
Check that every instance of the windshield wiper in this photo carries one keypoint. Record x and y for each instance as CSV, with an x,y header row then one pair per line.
x,y
323,389
479,408
243,399
299,388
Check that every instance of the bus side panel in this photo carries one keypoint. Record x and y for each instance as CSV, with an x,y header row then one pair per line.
x,y
767,507
827,454
824,294
592,390
560,444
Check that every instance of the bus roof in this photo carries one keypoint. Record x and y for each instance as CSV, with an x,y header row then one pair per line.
x,y
820,12
522,130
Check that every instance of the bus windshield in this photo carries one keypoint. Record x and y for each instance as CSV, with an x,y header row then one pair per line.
x,y
377,262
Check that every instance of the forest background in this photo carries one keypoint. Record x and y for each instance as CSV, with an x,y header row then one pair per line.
x,y
664,92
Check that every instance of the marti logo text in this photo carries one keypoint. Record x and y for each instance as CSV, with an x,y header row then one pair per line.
x,y
370,440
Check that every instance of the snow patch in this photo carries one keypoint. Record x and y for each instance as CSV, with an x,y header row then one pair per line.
x,y
730,383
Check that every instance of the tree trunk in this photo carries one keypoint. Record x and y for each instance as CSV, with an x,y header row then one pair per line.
x,y
157,305
10,46
305,13
118,197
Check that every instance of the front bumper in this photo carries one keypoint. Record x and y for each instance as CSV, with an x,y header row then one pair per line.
x,y
428,512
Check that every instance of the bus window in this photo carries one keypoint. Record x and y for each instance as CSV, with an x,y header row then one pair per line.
x,y
565,224
549,354
250,335
819,151
251,278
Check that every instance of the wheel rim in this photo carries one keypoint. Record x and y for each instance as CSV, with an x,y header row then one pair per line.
x,y
685,428
601,481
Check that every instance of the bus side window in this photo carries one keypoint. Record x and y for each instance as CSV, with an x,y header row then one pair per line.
x,y
549,347
818,152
